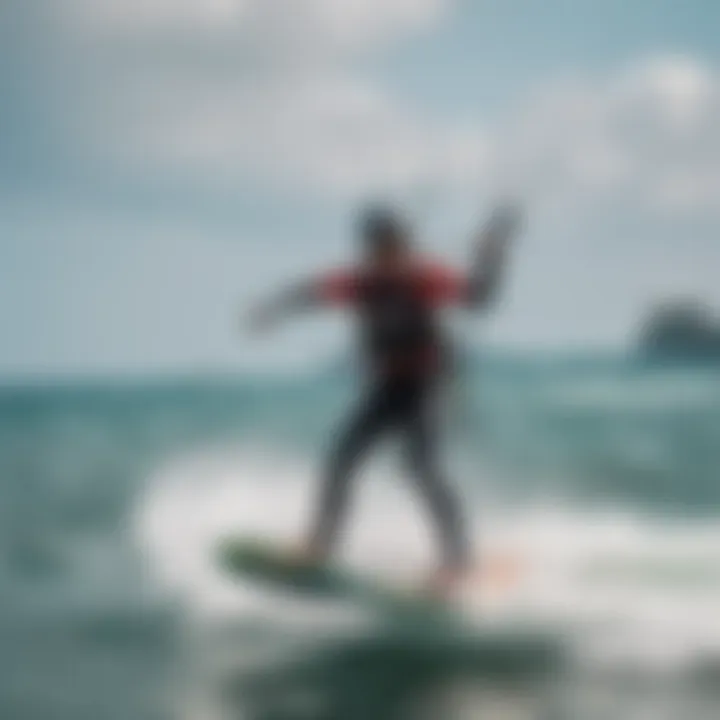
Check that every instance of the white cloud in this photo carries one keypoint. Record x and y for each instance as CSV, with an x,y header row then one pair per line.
x,y
294,26
366,20
138,15
325,131
275,97
678,87
650,134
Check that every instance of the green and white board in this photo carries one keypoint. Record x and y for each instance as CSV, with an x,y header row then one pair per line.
x,y
270,565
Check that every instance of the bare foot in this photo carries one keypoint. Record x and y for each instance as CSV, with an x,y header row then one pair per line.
x,y
444,582
500,571
306,554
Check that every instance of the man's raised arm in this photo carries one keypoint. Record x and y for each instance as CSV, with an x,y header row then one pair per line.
x,y
490,260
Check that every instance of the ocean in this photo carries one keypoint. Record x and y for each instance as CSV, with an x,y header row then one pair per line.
x,y
600,477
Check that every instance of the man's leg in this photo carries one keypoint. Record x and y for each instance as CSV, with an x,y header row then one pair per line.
x,y
423,440
354,440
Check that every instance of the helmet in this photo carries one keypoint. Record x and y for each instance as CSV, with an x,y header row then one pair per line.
x,y
382,226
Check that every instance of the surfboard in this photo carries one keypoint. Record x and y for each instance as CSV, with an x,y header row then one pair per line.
x,y
409,616
268,564
274,567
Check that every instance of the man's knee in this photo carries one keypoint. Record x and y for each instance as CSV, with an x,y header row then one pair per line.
x,y
423,460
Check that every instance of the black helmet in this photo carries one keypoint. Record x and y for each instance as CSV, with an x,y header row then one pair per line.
x,y
382,226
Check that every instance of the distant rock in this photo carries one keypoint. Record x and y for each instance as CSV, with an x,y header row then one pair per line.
x,y
681,330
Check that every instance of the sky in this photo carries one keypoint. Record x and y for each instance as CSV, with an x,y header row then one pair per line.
x,y
163,163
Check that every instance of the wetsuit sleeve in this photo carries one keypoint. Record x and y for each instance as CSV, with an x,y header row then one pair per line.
x,y
337,288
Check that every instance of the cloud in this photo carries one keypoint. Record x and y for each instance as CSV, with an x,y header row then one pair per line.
x,y
678,87
649,134
292,26
215,94
154,15
225,92
325,131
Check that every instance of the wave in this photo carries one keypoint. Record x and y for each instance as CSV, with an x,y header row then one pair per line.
x,y
626,587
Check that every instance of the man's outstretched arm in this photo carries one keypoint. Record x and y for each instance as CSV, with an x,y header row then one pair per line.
x,y
490,259
333,288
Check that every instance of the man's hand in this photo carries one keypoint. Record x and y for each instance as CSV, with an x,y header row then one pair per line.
x,y
264,316
500,230
504,224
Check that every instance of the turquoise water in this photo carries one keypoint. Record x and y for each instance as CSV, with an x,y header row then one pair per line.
x,y
603,475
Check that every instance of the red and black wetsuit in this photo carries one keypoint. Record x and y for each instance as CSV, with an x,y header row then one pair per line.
x,y
406,354
399,329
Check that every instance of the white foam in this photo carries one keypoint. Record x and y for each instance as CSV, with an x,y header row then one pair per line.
x,y
620,580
